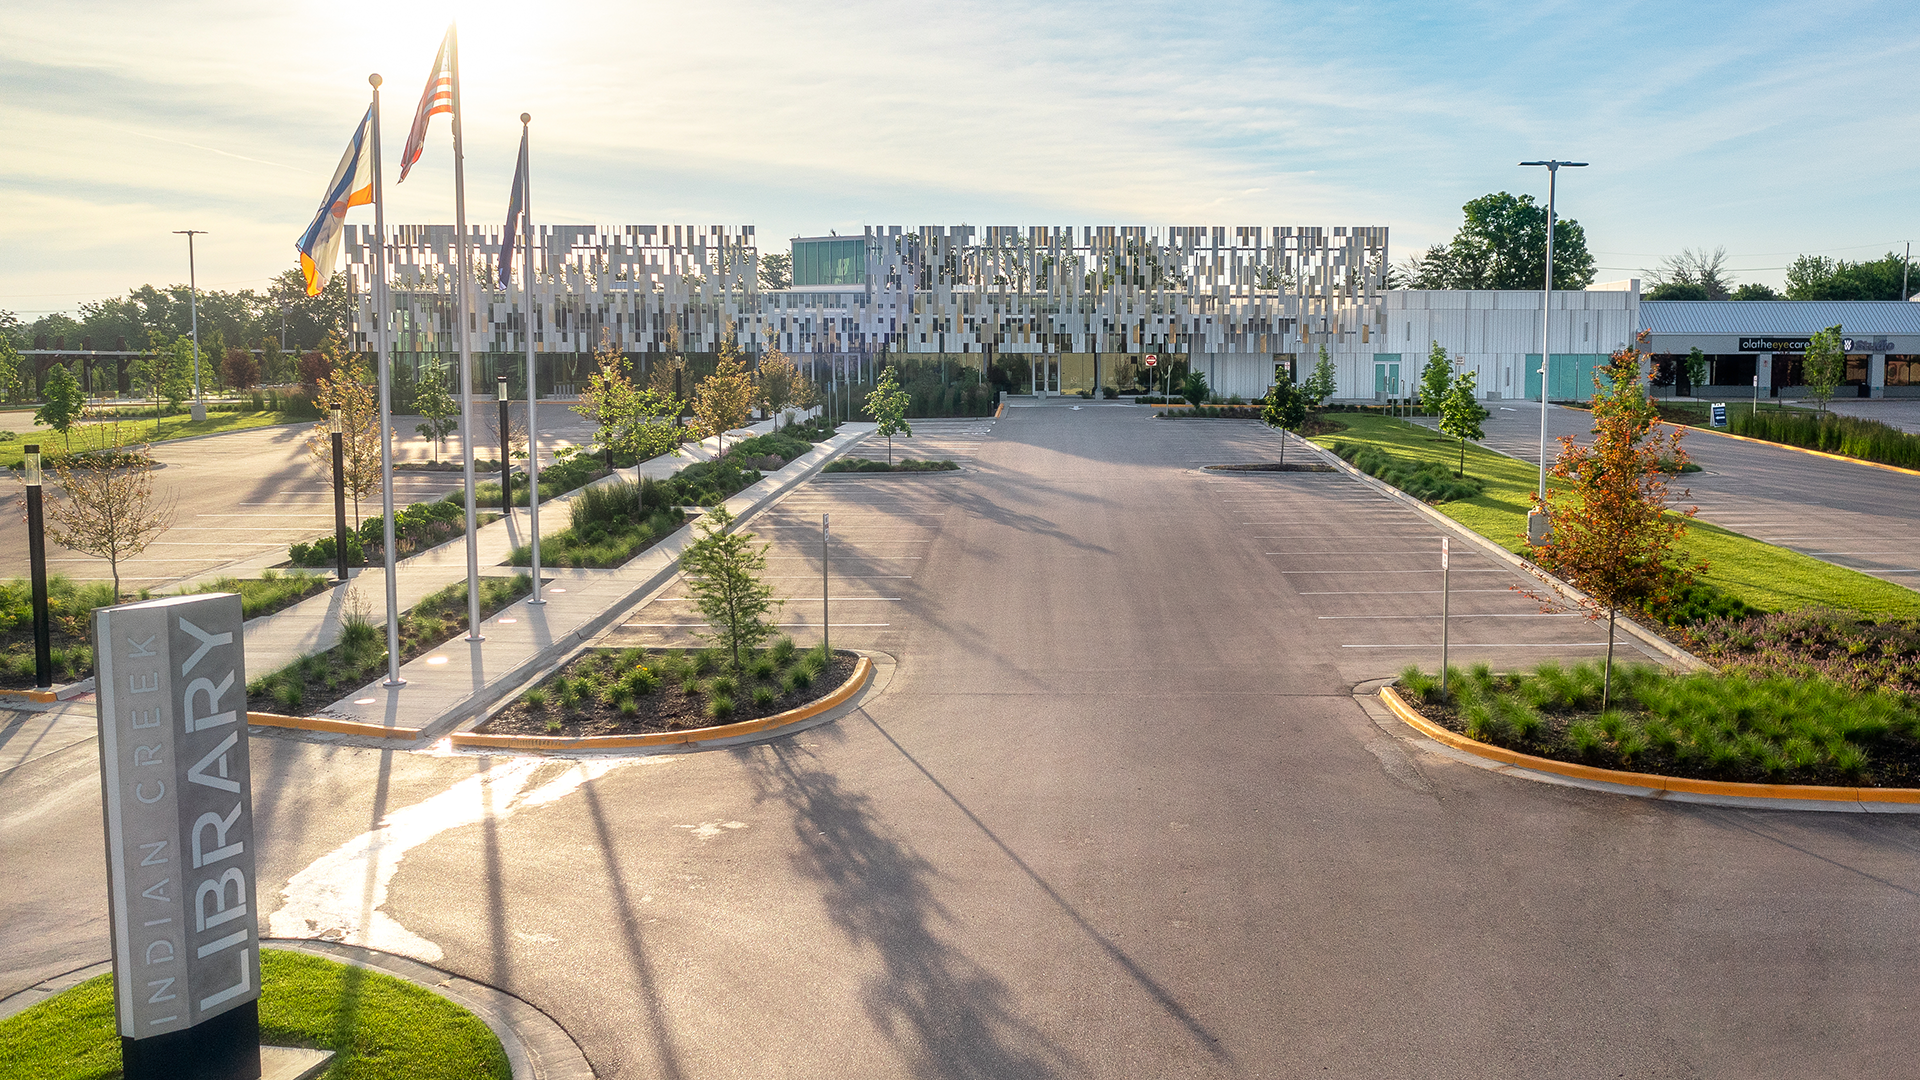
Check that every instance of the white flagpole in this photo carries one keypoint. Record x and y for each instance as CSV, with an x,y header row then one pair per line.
x,y
463,296
526,334
384,366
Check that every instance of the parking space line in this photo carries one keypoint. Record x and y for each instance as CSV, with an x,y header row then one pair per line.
x,y
1489,570
1470,615
1496,645
1400,592
698,625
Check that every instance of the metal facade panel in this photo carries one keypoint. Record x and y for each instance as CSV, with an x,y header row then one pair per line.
x,y
1797,318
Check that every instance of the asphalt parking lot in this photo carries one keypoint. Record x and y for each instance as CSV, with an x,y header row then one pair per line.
x,y
1842,512
881,528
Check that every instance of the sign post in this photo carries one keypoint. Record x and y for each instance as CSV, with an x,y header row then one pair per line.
x,y
826,614
178,806
1446,608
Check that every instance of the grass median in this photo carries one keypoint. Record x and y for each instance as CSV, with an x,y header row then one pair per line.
x,y
92,434
378,1026
1760,574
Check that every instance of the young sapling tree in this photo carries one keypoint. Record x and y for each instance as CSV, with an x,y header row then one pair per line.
x,y
888,405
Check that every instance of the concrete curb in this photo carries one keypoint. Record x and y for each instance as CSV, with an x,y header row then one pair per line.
x,y
47,697
766,727
1653,786
537,1047
1796,449
337,727
1680,656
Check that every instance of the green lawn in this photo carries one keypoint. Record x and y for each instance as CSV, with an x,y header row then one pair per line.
x,y
378,1027
1765,576
91,434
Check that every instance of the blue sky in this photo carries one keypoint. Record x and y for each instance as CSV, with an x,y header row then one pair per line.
x,y
1772,129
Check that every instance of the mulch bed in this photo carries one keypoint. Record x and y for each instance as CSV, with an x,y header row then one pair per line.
x,y
664,709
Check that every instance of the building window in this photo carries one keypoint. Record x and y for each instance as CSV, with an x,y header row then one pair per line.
x,y
1731,369
1903,370
1856,370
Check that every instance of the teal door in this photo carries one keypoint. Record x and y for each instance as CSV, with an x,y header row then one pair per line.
x,y
1386,375
1572,375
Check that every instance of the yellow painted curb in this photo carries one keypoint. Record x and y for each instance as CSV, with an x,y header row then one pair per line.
x,y
862,671
338,727
1805,792
1796,449
41,696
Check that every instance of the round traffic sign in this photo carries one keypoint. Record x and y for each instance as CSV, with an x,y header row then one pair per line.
x,y
1152,359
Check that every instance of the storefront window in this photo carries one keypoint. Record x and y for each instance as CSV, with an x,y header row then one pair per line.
x,y
1903,371
1731,369
1789,369
1856,370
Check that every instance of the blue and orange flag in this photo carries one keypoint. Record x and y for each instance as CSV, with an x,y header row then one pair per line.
x,y
352,185
436,99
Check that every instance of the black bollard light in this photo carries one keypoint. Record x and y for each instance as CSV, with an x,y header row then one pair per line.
x,y
506,466
37,556
339,496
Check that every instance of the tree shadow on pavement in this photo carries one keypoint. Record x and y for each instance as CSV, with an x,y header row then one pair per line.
x,y
949,1016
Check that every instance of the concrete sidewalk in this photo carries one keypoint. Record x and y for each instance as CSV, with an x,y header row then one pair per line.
x,y
273,641
453,683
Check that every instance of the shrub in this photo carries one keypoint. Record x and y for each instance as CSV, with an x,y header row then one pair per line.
x,y
321,552
784,446
1848,435
1429,482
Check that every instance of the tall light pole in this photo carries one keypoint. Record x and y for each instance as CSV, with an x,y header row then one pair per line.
x,y
193,308
1539,528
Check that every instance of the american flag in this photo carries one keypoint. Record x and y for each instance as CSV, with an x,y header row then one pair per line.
x,y
437,98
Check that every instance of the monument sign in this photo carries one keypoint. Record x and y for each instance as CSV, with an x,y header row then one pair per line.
x,y
172,698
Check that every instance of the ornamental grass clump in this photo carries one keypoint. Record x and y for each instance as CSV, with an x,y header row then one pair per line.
x,y
1759,728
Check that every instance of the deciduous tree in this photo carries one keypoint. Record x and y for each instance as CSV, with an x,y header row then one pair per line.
x,y
240,370
724,400
1825,365
724,574
778,380
1461,414
347,389
887,404
1285,409
65,403
631,420
435,405
109,510
1613,535
1502,244
1435,378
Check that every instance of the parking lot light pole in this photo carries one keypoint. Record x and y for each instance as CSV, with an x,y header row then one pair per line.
x,y
506,462
193,313
339,495
1539,527
37,556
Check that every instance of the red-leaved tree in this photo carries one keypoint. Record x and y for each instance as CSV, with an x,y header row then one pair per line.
x,y
1613,534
